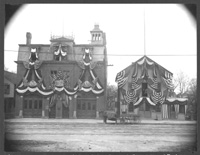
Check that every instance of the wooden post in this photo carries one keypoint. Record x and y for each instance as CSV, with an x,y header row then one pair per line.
x,y
118,102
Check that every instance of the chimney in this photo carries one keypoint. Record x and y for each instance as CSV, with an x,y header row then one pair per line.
x,y
28,38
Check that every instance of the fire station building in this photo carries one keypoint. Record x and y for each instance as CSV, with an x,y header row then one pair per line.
x,y
62,79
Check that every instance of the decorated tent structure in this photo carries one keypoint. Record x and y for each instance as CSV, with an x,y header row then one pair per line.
x,y
62,80
144,88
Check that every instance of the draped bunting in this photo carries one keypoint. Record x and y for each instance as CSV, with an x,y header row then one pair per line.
x,y
186,108
145,70
178,101
60,50
164,111
121,79
176,106
168,83
88,80
129,96
142,99
32,81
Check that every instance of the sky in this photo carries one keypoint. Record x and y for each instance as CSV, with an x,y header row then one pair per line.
x,y
132,30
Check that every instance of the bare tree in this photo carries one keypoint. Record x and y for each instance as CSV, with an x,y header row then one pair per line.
x,y
111,95
181,82
192,102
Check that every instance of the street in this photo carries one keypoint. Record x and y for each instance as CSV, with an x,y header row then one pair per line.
x,y
76,135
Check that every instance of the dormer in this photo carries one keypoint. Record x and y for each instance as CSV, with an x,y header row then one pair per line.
x,y
61,47
97,35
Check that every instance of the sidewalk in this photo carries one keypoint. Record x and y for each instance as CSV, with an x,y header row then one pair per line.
x,y
90,121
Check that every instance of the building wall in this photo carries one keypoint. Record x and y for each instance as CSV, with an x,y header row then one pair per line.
x,y
74,55
11,90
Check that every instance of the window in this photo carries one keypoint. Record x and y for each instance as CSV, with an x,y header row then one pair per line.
x,y
89,106
78,106
83,106
159,87
130,107
6,88
30,104
93,37
99,37
35,104
53,72
57,57
144,89
40,104
182,109
93,107
25,104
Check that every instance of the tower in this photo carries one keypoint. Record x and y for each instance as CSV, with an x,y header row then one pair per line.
x,y
97,35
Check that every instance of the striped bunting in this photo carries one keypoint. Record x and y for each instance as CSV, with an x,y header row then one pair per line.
x,y
155,83
169,83
157,97
129,96
134,84
120,79
156,100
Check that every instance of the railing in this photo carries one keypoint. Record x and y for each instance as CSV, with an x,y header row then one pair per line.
x,y
68,37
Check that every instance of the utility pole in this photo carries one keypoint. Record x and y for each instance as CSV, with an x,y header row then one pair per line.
x,y
144,34
118,102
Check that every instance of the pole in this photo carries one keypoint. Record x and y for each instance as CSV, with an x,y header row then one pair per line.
x,y
144,34
118,102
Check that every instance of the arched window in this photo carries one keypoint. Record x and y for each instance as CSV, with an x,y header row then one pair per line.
x,y
96,36
93,36
99,38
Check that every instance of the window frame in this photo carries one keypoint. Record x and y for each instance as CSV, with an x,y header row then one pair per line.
x,y
6,88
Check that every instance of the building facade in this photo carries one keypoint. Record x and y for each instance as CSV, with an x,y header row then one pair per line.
x,y
62,79
9,94
145,88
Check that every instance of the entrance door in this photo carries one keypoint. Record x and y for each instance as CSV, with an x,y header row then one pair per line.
x,y
86,107
144,110
52,112
147,112
172,114
65,112
32,107
59,109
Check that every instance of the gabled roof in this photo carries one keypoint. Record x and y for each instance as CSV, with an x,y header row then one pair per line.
x,y
12,77
153,61
148,60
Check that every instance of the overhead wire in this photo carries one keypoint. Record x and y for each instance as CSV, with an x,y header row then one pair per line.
x,y
125,54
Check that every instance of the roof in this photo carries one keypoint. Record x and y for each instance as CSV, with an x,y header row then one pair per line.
x,y
96,29
12,77
149,60
153,61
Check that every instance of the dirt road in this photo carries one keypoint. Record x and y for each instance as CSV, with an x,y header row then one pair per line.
x,y
69,136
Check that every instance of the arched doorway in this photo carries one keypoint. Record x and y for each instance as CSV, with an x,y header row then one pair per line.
x,y
59,106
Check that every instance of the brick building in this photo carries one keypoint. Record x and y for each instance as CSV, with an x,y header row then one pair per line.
x,y
62,79
9,94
